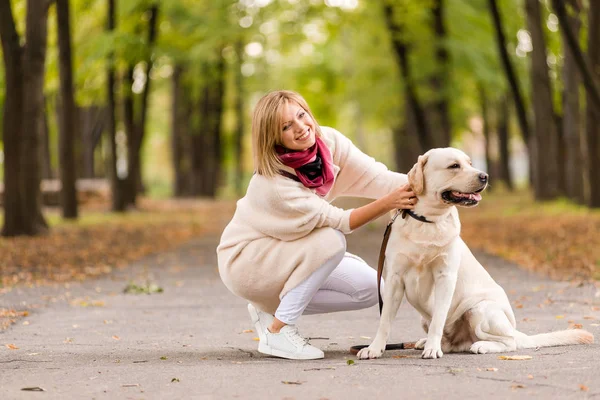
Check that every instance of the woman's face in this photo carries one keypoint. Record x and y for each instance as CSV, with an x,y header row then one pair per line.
x,y
297,128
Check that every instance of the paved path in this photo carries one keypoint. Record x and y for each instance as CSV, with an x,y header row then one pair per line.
x,y
91,341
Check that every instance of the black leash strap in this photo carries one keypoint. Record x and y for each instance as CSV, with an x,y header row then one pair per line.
x,y
386,237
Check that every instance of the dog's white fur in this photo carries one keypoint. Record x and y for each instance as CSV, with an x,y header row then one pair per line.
x,y
462,307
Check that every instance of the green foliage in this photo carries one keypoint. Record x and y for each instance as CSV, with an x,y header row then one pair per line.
x,y
339,57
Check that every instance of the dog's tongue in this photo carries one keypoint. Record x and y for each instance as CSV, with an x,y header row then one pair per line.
x,y
470,196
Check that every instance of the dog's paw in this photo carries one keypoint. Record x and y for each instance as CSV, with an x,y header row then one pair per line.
x,y
370,353
432,352
420,345
483,347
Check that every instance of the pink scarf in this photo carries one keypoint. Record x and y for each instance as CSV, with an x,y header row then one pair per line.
x,y
313,166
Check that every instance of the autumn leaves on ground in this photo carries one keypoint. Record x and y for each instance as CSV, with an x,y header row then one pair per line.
x,y
557,239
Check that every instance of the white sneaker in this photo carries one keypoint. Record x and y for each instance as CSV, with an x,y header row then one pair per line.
x,y
289,344
261,321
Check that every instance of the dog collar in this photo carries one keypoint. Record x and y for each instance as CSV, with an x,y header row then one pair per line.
x,y
415,216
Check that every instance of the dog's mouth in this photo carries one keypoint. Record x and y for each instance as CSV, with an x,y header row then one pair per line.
x,y
461,198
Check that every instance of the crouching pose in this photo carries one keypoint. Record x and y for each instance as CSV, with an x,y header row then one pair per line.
x,y
285,249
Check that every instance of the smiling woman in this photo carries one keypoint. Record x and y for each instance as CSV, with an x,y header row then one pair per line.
x,y
284,250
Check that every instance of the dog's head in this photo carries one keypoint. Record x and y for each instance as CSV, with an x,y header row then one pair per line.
x,y
446,175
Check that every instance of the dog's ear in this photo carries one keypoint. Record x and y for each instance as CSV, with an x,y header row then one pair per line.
x,y
415,176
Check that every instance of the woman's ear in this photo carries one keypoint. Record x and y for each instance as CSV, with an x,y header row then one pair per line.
x,y
415,176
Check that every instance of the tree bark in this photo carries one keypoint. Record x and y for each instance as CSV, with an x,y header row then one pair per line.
x,y
118,197
240,125
544,141
180,120
441,78
401,49
571,126
590,77
68,114
592,114
45,162
36,33
12,122
134,173
504,143
486,134
511,76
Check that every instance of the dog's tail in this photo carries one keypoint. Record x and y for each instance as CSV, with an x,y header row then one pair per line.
x,y
558,338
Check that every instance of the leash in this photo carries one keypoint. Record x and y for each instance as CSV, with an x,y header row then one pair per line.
x,y
386,237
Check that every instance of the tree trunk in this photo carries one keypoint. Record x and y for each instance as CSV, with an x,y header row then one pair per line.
x,y
587,71
68,115
511,76
134,173
36,33
401,49
180,120
118,197
406,144
544,141
486,134
46,161
571,129
218,92
12,122
504,143
442,77
239,128
592,114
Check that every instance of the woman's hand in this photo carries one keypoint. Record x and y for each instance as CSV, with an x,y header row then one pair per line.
x,y
401,198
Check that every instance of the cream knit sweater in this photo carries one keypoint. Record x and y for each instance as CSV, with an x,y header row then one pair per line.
x,y
282,232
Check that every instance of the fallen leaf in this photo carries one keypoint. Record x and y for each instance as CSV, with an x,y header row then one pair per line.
x,y
529,376
33,389
163,358
366,337
130,385
68,340
247,331
116,337
292,382
559,316
175,380
516,358
584,388
575,326
318,369
12,346
256,339
492,369
405,356
589,317
518,386
350,362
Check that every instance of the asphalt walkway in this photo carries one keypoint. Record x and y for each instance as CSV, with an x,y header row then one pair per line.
x,y
92,341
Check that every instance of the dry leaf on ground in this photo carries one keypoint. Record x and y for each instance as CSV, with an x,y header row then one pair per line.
x,y
515,358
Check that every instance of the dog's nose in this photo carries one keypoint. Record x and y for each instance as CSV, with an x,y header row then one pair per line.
x,y
483,177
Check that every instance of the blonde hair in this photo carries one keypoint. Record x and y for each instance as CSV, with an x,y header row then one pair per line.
x,y
266,129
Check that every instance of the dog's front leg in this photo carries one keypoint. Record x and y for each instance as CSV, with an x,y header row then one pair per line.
x,y
444,276
392,298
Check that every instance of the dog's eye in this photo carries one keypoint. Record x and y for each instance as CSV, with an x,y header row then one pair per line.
x,y
454,166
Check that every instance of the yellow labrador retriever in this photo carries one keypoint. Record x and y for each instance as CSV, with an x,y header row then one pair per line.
x,y
462,307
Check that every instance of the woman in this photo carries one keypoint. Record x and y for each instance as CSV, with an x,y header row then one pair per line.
x,y
284,250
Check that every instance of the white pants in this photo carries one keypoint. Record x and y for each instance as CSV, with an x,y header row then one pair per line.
x,y
343,283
